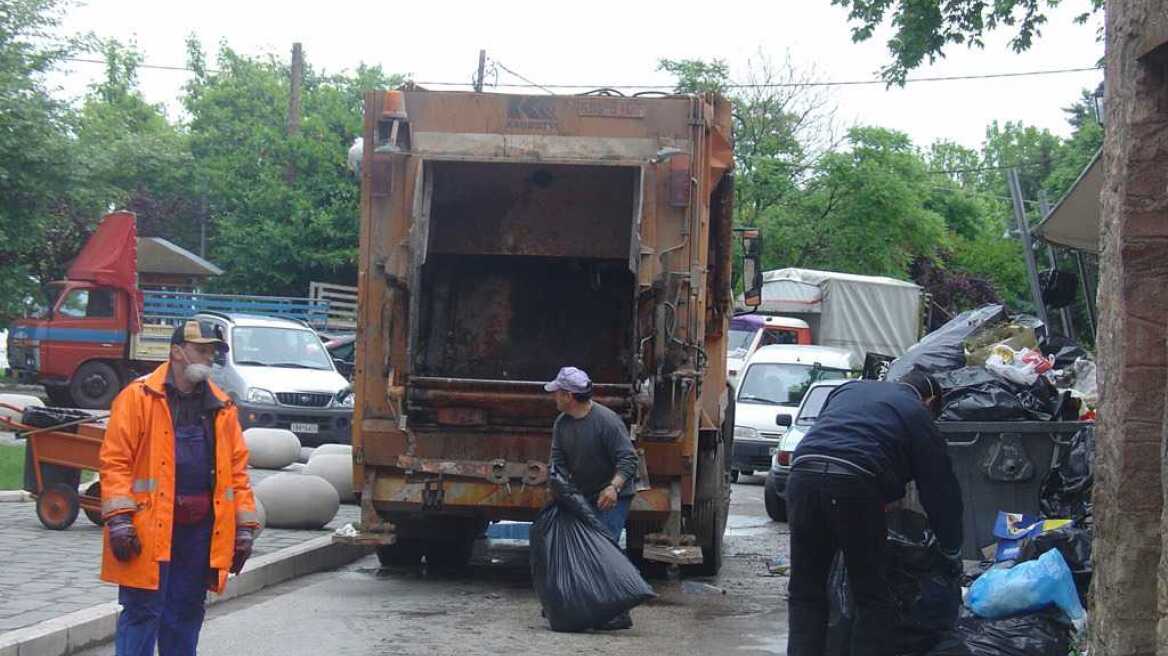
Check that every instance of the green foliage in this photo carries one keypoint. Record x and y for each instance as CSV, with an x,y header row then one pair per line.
x,y
285,209
922,29
34,147
697,75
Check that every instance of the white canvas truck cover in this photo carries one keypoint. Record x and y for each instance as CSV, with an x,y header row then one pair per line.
x,y
864,314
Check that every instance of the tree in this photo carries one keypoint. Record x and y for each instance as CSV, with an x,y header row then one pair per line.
x,y
271,236
35,176
863,211
923,29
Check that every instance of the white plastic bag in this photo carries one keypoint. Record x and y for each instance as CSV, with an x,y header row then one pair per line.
x,y
1021,367
1086,385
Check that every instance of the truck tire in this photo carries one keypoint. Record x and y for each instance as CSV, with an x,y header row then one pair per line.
x,y
449,555
403,553
94,385
711,508
728,426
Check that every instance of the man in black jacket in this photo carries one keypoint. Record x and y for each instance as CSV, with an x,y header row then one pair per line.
x,y
869,441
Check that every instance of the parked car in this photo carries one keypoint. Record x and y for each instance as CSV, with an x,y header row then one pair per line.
x,y
343,352
772,387
775,491
281,376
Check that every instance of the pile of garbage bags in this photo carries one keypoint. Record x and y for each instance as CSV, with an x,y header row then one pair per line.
x,y
581,576
996,367
1030,607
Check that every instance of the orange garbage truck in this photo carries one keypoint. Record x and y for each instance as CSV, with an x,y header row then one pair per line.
x,y
504,236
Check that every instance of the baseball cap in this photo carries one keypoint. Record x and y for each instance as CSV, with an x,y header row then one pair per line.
x,y
199,332
570,379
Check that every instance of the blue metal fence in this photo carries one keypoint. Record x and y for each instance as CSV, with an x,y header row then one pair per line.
x,y
172,307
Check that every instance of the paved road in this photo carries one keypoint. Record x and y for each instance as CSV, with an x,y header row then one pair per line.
x,y
364,610
46,574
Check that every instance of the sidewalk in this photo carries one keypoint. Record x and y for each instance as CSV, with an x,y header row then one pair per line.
x,y
45,574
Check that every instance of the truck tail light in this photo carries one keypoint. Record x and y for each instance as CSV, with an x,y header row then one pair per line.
x,y
785,458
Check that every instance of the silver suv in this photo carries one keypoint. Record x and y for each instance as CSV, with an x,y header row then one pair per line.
x,y
281,376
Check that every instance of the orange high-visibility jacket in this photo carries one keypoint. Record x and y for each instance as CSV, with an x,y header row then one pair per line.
x,y
138,476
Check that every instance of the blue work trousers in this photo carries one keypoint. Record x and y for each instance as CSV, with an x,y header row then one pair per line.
x,y
614,518
172,615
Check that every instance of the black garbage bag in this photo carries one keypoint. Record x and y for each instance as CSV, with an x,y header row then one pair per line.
x,y
42,417
944,349
1045,633
1064,350
926,592
1074,543
988,402
581,576
1059,288
1066,491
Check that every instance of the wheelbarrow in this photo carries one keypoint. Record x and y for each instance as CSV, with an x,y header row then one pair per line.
x,y
54,459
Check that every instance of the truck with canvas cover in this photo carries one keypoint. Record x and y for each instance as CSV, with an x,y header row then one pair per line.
x,y
97,329
863,314
505,236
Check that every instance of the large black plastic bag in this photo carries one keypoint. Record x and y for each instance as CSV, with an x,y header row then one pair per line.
x,y
1066,492
1045,633
580,574
944,348
42,417
926,592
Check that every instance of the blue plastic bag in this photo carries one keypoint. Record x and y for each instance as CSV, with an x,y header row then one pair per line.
x,y
1025,588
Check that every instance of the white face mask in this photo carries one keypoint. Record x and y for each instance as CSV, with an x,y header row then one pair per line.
x,y
195,373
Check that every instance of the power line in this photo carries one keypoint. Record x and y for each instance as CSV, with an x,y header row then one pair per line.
x,y
812,83
529,82
162,67
775,85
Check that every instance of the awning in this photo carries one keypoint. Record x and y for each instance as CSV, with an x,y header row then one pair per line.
x,y
157,255
1074,222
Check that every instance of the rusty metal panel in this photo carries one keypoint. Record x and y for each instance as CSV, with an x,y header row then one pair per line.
x,y
522,318
532,210
580,116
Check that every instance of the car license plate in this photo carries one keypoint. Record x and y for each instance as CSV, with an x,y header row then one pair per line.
x,y
305,428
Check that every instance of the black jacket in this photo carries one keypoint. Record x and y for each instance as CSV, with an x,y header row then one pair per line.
x,y
884,431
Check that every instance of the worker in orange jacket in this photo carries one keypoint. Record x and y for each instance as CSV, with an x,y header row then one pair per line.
x,y
178,506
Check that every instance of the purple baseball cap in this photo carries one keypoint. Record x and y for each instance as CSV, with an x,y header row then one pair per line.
x,y
570,379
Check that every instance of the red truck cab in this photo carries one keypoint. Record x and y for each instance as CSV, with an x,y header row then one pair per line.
x,y
75,347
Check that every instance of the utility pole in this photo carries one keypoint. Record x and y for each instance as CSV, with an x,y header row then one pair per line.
x,y
294,96
1064,312
1027,245
294,104
478,81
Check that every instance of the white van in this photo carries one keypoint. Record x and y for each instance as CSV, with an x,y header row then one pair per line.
x,y
769,392
281,376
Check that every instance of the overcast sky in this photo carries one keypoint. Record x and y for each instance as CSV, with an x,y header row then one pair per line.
x,y
610,42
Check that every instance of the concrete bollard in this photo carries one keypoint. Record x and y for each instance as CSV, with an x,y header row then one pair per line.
x,y
271,448
337,469
297,501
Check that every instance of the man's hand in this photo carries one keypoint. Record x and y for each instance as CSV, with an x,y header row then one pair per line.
x,y
243,541
607,498
123,538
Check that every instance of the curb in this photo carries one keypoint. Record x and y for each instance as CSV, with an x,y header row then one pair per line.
x,y
93,626
14,496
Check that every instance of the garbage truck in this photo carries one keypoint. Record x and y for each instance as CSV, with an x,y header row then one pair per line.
x,y
504,236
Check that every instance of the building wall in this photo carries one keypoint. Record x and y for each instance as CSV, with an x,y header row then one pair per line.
x,y
1129,599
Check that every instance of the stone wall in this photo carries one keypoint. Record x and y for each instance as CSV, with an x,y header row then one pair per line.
x,y
1133,354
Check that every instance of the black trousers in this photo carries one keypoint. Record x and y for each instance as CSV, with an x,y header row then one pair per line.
x,y
828,513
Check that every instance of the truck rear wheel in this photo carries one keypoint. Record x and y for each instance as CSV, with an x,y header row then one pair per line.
x,y
403,553
94,386
711,508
